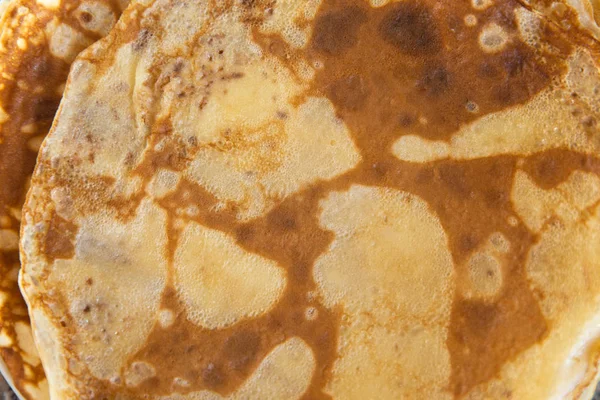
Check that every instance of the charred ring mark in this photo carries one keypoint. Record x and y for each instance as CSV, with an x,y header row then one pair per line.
x,y
86,17
411,28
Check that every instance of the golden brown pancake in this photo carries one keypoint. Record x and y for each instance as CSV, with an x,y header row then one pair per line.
x,y
38,41
321,199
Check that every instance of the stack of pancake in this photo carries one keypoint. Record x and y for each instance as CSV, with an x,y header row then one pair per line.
x,y
300,199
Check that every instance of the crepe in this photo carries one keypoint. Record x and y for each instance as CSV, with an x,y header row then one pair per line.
x,y
38,42
338,199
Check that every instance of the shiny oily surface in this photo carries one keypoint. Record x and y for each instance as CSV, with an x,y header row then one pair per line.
x,y
400,198
38,42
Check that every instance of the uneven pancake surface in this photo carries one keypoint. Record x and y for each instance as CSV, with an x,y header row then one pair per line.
x,y
38,42
400,198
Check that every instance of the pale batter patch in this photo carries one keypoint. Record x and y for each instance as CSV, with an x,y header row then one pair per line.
x,y
209,265
388,266
105,305
493,38
311,144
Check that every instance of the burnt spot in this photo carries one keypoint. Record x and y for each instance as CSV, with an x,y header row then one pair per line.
x,y
411,28
178,67
142,39
192,141
60,239
336,32
87,308
86,17
232,76
520,77
435,81
406,60
504,93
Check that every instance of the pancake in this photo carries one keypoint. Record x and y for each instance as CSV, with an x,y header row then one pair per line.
x,y
38,42
321,199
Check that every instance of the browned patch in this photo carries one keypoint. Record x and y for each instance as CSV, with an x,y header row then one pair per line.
x,y
336,31
555,168
60,239
174,154
425,73
410,27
